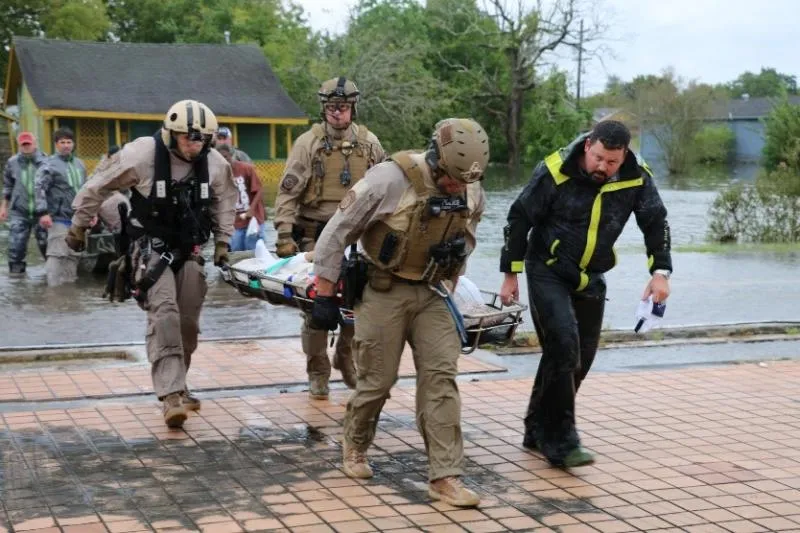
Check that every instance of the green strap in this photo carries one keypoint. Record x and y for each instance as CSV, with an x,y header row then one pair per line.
x,y
74,176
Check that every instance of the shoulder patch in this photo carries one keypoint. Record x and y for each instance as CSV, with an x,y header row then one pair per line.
x,y
289,182
298,167
348,200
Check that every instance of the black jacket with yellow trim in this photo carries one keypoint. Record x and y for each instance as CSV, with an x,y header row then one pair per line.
x,y
566,220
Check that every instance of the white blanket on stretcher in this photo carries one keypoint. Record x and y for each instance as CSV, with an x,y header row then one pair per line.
x,y
299,271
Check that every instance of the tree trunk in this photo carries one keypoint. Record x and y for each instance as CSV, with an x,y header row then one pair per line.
x,y
513,131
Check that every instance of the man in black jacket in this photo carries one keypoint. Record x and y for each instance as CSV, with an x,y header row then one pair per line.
x,y
562,229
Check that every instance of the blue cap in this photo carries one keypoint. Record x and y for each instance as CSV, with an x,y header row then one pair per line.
x,y
224,131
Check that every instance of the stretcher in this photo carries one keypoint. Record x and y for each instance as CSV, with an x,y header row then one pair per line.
x,y
485,321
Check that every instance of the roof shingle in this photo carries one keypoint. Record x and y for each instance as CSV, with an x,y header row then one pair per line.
x,y
233,80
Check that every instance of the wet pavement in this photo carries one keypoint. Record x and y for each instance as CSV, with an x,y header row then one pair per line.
x,y
698,449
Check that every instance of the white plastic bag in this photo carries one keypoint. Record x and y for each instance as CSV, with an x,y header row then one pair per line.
x,y
648,315
252,227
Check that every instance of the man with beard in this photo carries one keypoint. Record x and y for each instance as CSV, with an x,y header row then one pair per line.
x,y
562,229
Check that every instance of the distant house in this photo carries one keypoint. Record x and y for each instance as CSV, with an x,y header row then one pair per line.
x,y
622,115
111,93
743,116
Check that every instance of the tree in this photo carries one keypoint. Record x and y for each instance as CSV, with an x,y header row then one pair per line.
x,y
385,51
769,82
673,112
525,37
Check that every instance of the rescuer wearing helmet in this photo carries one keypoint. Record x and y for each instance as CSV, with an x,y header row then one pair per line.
x,y
325,163
415,216
181,192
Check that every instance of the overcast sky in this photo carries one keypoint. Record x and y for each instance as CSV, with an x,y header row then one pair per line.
x,y
711,41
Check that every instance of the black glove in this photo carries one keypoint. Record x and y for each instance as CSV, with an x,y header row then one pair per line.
x,y
325,313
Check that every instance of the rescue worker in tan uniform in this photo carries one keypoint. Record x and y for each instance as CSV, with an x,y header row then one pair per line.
x,y
415,217
325,162
181,191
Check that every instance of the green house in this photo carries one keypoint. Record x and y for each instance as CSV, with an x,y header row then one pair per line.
x,y
111,93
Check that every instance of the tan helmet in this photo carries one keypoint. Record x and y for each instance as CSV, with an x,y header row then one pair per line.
x,y
460,148
192,117
338,89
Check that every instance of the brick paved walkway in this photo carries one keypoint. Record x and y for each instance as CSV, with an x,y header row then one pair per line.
x,y
698,450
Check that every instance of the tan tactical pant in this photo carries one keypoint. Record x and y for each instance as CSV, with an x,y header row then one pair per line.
x,y
173,323
384,322
315,341
61,264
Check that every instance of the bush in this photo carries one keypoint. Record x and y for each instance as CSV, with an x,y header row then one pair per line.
x,y
713,144
782,137
767,212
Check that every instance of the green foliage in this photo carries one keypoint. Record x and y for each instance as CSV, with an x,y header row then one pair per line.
x,y
550,120
782,137
769,82
713,144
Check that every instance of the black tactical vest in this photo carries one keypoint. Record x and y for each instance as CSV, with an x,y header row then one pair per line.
x,y
178,213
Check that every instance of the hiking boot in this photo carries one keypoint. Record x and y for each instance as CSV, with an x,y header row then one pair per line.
x,y
191,402
355,463
578,456
344,364
451,490
174,410
318,388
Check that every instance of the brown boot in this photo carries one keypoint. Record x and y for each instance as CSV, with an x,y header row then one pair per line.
x,y
318,388
191,402
451,490
355,463
174,410
344,364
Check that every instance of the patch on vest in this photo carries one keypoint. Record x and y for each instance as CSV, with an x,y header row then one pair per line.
x,y
289,182
348,200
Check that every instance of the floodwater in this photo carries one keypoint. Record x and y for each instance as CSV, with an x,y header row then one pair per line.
x,y
707,288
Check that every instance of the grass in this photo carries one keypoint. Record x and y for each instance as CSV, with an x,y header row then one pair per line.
x,y
716,248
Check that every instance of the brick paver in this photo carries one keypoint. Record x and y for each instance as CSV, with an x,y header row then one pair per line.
x,y
215,365
698,449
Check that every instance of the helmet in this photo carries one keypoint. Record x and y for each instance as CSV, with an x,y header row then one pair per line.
x,y
338,89
460,148
192,117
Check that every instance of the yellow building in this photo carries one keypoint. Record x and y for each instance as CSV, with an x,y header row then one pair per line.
x,y
111,93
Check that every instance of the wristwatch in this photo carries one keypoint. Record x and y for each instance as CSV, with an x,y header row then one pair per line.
x,y
663,272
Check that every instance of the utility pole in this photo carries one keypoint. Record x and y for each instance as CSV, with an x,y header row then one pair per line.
x,y
580,68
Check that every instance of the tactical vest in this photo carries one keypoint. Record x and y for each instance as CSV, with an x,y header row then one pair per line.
x,y
178,213
432,247
336,166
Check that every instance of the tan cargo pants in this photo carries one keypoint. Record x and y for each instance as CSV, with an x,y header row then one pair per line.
x,y
61,264
173,308
384,322
315,341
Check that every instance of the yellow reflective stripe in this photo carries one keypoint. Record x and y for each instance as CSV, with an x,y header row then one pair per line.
x,y
517,266
591,235
553,163
618,185
594,219
584,281
554,246
650,261
551,261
